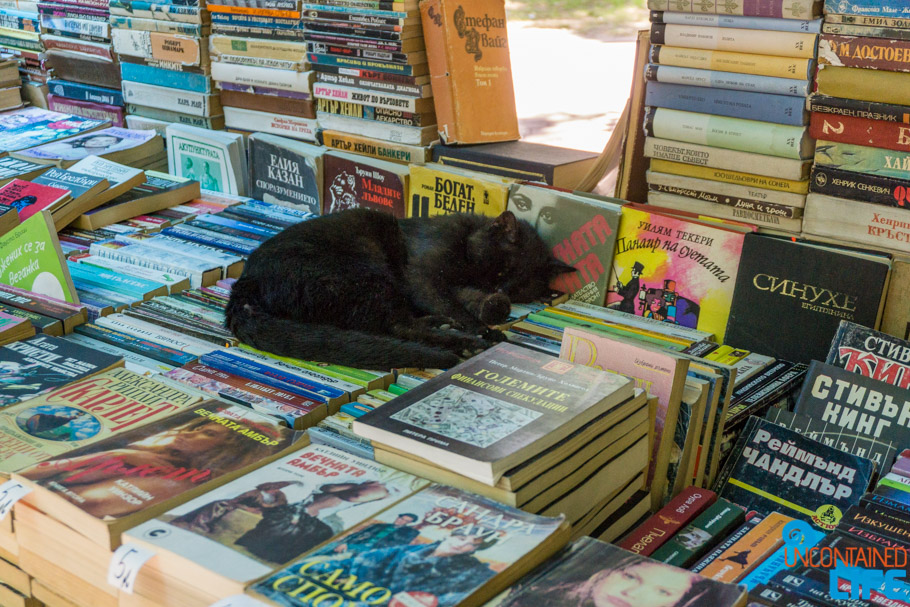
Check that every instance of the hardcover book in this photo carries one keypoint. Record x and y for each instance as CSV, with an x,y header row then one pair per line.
x,y
767,471
248,527
494,411
83,413
352,181
468,54
466,550
668,521
877,355
888,54
698,537
790,295
41,363
98,488
440,190
579,228
286,172
675,270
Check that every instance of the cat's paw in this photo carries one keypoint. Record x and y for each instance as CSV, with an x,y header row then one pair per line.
x,y
436,321
495,309
493,336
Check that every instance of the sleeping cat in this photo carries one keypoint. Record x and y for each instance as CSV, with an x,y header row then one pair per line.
x,y
363,289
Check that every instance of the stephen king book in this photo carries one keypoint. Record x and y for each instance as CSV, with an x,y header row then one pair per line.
x,y
862,350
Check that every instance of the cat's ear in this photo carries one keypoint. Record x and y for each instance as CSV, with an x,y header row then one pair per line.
x,y
557,267
506,227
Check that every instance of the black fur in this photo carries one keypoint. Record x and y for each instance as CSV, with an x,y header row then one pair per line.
x,y
362,289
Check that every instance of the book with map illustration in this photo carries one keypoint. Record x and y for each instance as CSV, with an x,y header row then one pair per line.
x,y
494,411
232,535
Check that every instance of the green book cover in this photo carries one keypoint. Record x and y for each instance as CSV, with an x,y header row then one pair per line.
x,y
701,535
863,159
31,259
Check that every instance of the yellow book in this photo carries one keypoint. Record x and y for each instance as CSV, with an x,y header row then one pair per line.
x,y
624,327
702,172
439,190
729,61
863,84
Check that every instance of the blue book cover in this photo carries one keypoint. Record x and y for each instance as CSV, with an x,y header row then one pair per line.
x,y
750,83
768,568
268,209
109,279
146,74
780,109
207,237
85,92
239,225
267,375
872,8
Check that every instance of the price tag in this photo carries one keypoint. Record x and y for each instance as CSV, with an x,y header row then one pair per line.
x,y
126,562
10,493
238,600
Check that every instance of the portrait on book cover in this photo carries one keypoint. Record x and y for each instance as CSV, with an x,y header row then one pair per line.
x,y
91,144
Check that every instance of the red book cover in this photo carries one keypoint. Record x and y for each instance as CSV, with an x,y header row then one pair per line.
x,y
860,131
254,387
889,54
679,512
30,198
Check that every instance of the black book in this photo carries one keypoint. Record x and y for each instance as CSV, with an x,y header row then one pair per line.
x,y
790,295
859,349
286,172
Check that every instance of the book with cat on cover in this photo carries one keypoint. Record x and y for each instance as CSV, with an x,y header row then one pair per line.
x,y
859,349
466,550
243,530
675,268
286,172
468,55
579,228
659,373
591,572
791,294
494,411
114,484
82,413
768,470
353,181
39,364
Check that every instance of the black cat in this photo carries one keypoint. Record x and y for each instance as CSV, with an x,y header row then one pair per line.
x,y
363,289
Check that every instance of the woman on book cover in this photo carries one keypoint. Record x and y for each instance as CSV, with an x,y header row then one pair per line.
x,y
264,496
115,480
628,581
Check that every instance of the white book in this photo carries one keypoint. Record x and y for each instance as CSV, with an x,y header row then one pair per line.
x,y
860,223
145,256
632,320
410,135
287,80
217,160
170,244
175,100
266,122
156,333
190,50
714,209
141,365
402,103
721,188
729,160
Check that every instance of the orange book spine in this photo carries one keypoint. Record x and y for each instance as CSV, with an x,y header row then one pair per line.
x,y
258,12
434,27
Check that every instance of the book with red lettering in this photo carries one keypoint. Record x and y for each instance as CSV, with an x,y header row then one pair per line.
x,y
666,522
228,537
29,198
104,488
353,181
580,229
80,414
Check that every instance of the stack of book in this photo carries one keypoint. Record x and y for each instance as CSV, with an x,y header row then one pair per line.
x,y
20,39
10,80
372,85
859,115
725,119
165,66
259,62
86,71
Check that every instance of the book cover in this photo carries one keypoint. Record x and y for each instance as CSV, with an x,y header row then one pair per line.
x,y
246,528
13,168
579,228
504,404
467,548
468,55
352,181
668,521
743,556
193,154
860,131
439,190
36,365
78,184
874,354
790,295
674,270
30,258
768,471
83,413
888,54
28,198
860,186
33,126
99,143
707,530
286,172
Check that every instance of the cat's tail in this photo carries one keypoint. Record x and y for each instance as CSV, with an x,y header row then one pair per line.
x,y
326,343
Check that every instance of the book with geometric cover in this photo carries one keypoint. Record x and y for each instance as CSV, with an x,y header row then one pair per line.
x,y
83,413
34,366
772,468
494,411
466,550
107,487
593,573
246,528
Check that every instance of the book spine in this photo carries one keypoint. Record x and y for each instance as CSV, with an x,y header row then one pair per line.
x,y
752,136
134,286
761,42
660,527
289,51
362,64
253,388
206,122
375,20
352,95
285,5
780,109
242,234
349,42
324,436
255,11
384,150
741,63
860,131
149,10
156,334
156,25
374,85
175,66
870,110
267,122
324,48
210,238
136,72
871,8
366,112
747,215
195,277
779,9
747,204
863,223
890,22
343,11
256,76
812,26
85,92
726,544
86,109
843,29
279,64
185,50
720,188
863,159
367,128
717,158
726,80
155,351
733,177
137,363
871,499
867,85
210,254
175,100
21,23
94,30
271,377
273,23
224,27
863,52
